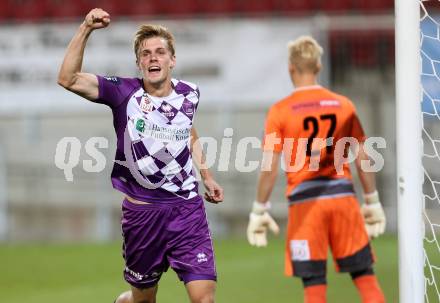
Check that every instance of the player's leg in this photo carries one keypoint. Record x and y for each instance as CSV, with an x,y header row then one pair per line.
x,y
190,250
135,295
201,291
307,248
368,286
315,288
144,249
351,248
125,297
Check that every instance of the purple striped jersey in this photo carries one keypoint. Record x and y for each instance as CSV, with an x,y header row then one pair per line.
x,y
153,160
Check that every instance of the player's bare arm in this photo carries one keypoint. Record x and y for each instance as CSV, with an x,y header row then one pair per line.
x,y
214,192
268,175
372,210
70,76
259,218
368,179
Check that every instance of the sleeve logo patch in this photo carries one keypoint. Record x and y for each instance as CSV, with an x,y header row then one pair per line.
x,y
112,79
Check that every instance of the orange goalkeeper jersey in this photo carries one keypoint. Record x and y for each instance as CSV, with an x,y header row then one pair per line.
x,y
314,128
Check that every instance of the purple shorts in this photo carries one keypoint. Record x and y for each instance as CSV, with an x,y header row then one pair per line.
x,y
156,236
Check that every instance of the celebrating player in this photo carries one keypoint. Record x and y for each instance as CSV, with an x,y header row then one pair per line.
x,y
323,210
163,217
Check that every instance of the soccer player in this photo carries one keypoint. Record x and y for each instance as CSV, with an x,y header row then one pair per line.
x,y
163,217
323,211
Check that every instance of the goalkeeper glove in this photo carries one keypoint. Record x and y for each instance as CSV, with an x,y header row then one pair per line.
x,y
373,214
259,222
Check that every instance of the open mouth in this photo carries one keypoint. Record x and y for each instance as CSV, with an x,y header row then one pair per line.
x,y
154,70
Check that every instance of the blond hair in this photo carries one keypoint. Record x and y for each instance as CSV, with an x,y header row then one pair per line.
x,y
305,54
147,31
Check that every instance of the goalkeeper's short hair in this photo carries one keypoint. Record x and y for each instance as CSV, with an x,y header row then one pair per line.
x,y
305,54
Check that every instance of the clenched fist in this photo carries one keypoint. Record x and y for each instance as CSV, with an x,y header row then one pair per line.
x,y
97,18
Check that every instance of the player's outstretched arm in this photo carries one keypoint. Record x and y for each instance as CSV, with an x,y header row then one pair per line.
x,y
70,75
372,210
259,218
214,192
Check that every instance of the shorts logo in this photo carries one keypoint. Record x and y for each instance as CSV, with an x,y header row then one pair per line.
x,y
299,250
201,257
146,104
134,274
155,274
140,277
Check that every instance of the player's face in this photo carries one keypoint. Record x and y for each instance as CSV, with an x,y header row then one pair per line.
x,y
155,60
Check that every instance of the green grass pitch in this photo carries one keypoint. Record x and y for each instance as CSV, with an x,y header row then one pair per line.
x,y
40,273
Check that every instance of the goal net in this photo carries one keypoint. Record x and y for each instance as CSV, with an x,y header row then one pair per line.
x,y
430,90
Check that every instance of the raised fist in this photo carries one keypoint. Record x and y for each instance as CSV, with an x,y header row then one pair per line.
x,y
97,18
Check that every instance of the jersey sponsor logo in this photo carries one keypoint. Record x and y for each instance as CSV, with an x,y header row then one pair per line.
x,y
330,103
202,257
146,105
112,79
309,106
299,250
167,110
188,108
163,134
140,125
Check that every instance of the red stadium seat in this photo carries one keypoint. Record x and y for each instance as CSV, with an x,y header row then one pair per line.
x,y
255,6
66,9
364,52
215,6
31,10
294,6
85,6
135,7
362,48
374,5
334,5
5,11
176,7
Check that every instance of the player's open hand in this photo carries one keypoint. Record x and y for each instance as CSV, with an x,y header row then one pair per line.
x,y
214,192
259,222
373,214
97,18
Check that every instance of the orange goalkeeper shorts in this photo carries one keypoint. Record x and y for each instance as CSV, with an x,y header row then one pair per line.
x,y
315,225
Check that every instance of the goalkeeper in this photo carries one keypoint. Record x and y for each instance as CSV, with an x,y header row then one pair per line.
x,y
323,210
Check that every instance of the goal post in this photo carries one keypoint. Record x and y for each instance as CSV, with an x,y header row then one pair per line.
x,y
409,152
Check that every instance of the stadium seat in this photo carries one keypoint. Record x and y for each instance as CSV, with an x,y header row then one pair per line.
x,y
255,6
30,10
334,5
215,6
135,7
339,50
364,48
176,7
294,6
86,5
5,11
65,9
432,6
374,5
